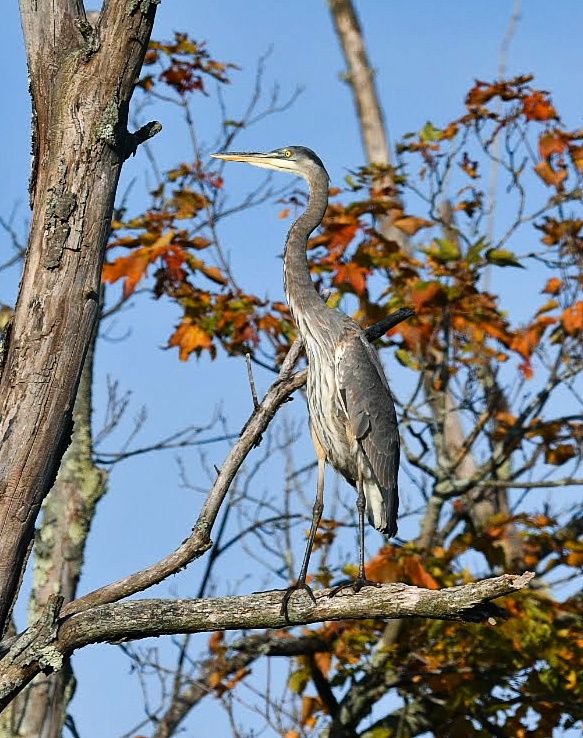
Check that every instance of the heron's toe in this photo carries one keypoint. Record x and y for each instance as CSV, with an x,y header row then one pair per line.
x,y
287,596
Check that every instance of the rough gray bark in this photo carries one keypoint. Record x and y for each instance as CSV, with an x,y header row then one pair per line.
x,y
81,78
45,645
59,550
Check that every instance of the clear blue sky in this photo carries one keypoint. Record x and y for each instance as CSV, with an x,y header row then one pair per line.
x,y
427,54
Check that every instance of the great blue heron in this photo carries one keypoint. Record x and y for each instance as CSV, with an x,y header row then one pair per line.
x,y
352,415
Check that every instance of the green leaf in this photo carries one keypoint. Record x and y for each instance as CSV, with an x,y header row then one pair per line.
x,y
298,681
475,250
429,133
443,250
350,181
378,732
406,359
502,257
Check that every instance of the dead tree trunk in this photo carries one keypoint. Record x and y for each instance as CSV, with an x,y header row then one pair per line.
x,y
59,550
81,78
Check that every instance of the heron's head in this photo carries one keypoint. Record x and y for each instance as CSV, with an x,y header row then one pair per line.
x,y
296,160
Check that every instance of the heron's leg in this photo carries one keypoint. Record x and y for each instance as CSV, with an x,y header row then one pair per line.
x,y
316,517
360,506
361,581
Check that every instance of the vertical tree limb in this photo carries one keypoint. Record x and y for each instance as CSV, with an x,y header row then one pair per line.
x,y
68,513
81,79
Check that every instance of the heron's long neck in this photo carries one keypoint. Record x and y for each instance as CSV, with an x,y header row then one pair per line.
x,y
300,291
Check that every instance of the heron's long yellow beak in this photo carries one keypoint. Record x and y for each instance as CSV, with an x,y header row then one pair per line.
x,y
269,160
250,158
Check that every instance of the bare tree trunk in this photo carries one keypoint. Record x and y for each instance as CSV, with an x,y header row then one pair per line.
x,y
82,78
59,550
361,78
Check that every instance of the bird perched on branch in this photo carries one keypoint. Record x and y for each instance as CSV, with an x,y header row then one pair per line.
x,y
352,415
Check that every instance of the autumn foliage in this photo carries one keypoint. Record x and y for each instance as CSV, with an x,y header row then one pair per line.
x,y
520,674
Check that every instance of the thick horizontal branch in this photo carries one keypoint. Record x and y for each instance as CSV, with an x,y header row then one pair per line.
x,y
147,618
44,645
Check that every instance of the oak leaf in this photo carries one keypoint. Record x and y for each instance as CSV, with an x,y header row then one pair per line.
x,y
537,106
131,268
572,318
352,274
550,176
417,573
553,286
410,224
560,454
188,338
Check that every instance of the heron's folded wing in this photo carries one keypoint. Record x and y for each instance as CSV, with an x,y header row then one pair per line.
x,y
367,400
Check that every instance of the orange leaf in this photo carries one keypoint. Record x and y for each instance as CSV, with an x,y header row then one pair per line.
x,y
213,273
410,224
547,307
551,143
572,318
384,566
214,679
310,705
284,213
239,675
323,662
353,274
537,106
427,294
417,573
481,93
575,558
526,340
560,454
216,642
190,338
576,153
549,175
553,286
132,268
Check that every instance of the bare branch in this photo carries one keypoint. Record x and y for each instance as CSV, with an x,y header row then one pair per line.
x,y
44,647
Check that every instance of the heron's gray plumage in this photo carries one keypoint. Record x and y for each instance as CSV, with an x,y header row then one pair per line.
x,y
371,416
352,414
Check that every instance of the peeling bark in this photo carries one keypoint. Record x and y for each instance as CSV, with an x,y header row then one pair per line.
x,y
81,79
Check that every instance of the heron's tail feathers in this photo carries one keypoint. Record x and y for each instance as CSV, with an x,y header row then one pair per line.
x,y
381,507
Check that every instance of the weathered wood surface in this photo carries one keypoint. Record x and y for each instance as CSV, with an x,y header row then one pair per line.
x,y
81,78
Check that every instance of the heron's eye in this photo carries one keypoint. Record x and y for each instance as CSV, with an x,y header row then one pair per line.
x,y
287,153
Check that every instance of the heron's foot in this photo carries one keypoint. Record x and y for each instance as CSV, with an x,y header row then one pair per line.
x,y
299,585
354,584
